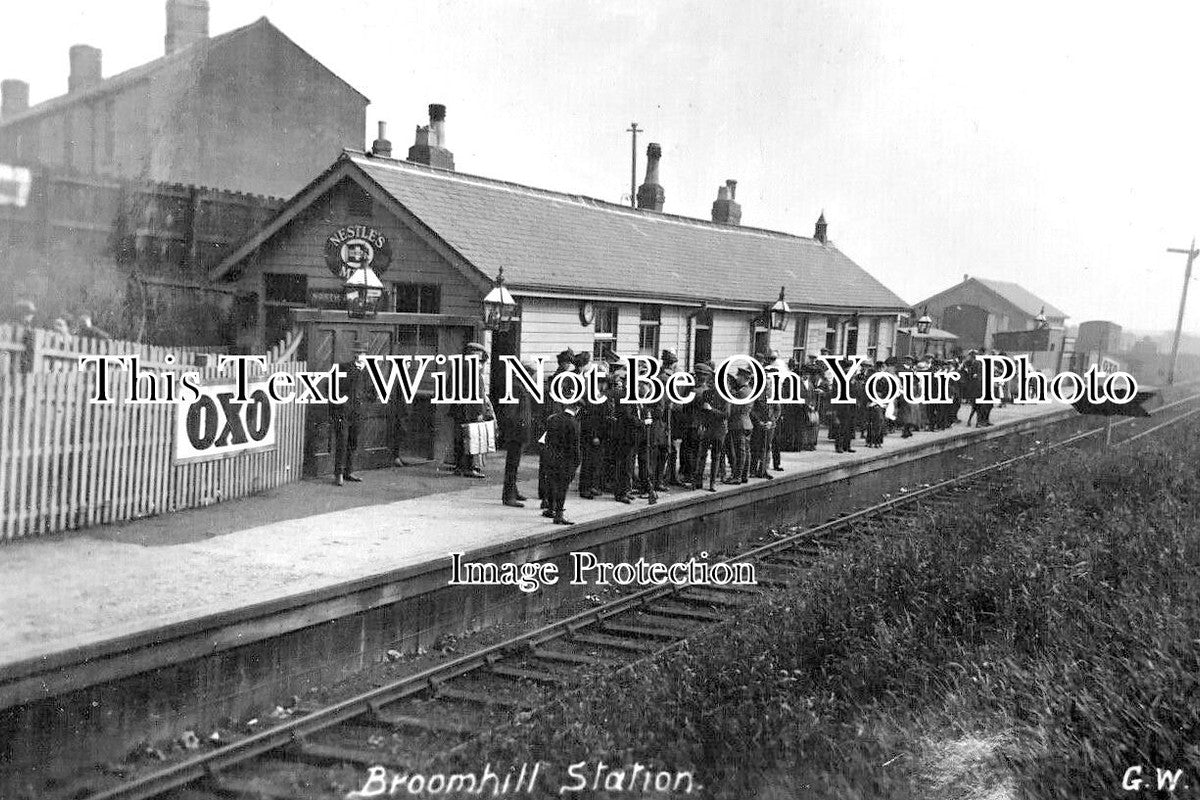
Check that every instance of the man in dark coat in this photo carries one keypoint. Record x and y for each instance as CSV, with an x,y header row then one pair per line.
x,y
626,436
765,415
560,459
566,363
593,437
711,417
740,428
347,416
846,414
515,422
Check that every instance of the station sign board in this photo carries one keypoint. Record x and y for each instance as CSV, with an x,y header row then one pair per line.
x,y
215,425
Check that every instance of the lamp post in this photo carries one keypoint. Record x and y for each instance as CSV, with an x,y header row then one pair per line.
x,y
499,306
924,323
779,313
1041,320
362,290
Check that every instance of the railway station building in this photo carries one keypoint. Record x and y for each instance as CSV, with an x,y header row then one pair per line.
x,y
588,275
979,308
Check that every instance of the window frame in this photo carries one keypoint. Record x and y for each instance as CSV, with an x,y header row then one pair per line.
x,y
649,329
603,337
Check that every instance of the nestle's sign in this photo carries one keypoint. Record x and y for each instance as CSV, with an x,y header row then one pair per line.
x,y
352,247
215,425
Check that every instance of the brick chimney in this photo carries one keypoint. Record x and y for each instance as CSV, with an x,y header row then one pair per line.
x,y
726,209
650,194
14,97
430,145
85,68
381,146
187,23
821,234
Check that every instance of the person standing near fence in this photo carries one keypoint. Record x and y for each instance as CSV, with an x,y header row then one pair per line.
x,y
347,416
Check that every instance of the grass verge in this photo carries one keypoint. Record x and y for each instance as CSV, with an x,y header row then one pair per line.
x,y
1039,642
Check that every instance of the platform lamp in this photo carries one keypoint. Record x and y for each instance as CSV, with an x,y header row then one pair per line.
x,y
924,323
779,313
363,290
1040,319
499,307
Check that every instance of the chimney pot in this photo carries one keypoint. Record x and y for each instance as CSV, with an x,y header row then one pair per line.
x,y
725,209
14,97
821,233
430,144
86,68
381,146
187,23
650,194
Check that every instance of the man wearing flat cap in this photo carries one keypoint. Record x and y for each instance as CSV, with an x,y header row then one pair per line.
x,y
346,417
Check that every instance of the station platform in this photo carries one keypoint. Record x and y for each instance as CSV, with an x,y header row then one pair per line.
x,y
74,590
208,610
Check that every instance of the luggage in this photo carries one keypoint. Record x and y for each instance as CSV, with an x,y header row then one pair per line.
x,y
479,437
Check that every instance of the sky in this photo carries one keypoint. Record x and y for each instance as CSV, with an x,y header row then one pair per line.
x,y
1051,144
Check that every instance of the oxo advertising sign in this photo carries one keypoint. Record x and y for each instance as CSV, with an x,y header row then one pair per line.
x,y
215,425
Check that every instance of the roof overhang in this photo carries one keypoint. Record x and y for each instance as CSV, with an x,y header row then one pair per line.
x,y
345,169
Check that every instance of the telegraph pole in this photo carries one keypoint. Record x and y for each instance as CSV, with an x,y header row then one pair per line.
x,y
1191,253
635,130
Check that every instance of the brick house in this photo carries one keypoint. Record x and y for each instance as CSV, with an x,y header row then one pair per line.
x,y
248,110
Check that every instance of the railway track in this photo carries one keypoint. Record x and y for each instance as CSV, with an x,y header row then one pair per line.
x,y
412,721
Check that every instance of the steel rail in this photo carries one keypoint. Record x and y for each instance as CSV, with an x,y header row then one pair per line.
x,y
210,765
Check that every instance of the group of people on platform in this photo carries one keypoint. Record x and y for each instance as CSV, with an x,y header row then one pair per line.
x,y
639,450
630,450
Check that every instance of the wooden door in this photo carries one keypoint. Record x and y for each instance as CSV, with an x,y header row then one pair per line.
x,y
333,343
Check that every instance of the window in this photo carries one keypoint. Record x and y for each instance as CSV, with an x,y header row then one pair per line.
x,y
417,340
800,340
831,335
605,340
762,341
358,202
702,338
648,330
284,288
281,293
873,339
852,336
418,298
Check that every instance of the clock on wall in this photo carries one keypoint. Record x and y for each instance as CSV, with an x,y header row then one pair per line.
x,y
587,312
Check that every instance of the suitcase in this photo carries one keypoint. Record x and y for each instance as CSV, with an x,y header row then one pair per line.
x,y
480,437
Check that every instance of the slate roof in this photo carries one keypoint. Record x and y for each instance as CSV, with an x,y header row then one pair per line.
x,y
135,74
552,241
1021,297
